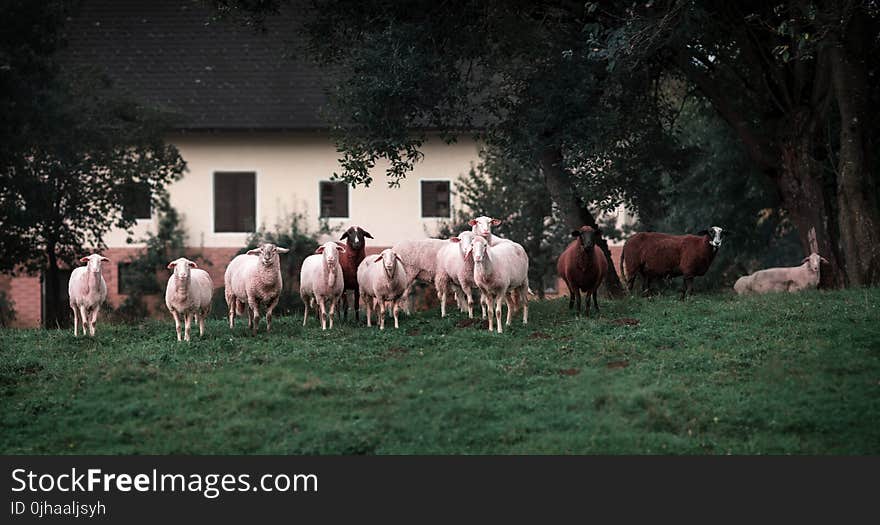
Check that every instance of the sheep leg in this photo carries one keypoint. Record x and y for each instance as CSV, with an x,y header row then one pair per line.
x,y
488,300
577,293
469,295
570,295
93,320
442,293
355,296
176,323
381,314
269,311
499,299
230,302
187,320
254,318
76,321
305,310
332,311
396,308
525,302
511,305
596,300
687,287
343,312
201,318
322,312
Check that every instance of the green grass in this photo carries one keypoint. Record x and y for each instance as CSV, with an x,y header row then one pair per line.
x,y
719,374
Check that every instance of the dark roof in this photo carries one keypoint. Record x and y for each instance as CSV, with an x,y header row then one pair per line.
x,y
215,75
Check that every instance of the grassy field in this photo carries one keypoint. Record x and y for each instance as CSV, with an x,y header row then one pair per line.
x,y
720,374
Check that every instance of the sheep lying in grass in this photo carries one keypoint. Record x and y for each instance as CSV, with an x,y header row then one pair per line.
x,y
321,282
789,279
498,271
382,278
254,280
87,291
188,295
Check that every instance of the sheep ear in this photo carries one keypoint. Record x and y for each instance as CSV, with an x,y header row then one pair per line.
x,y
398,258
824,260
378,259
255,251
344,235
455,239
472,222
320,249
279,249
193,264
496,222
170,265
341,249
104,259
366,233
84,259
805,259
575,233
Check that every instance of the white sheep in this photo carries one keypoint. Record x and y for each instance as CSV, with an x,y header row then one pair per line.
x,y
420,262
482,226
382,278
498,271
454,272
253,280
321,280
87,291
188,295
789,279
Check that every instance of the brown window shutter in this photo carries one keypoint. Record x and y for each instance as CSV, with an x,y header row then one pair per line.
x,y
435,198
334,199
235,203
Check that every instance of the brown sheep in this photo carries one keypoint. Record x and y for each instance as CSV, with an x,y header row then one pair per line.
x,y
350,259
654,255
583,266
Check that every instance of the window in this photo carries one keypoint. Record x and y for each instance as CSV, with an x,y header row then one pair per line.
x,y
435,198
136,201
235,202
334,199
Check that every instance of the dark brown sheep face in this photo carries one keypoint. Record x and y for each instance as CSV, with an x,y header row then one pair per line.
x,y
356,237
587,237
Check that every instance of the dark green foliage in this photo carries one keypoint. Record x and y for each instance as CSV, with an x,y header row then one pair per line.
x,y
776,374
72,150
721,187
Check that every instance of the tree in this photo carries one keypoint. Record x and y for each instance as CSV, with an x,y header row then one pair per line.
x,y
78,153
524,74
773,72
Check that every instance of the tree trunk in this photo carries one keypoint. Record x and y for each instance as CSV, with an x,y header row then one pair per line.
x,y
803,198
52,285
858,216
574,212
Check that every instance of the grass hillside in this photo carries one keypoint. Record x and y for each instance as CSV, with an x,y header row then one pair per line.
x,y
720,374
